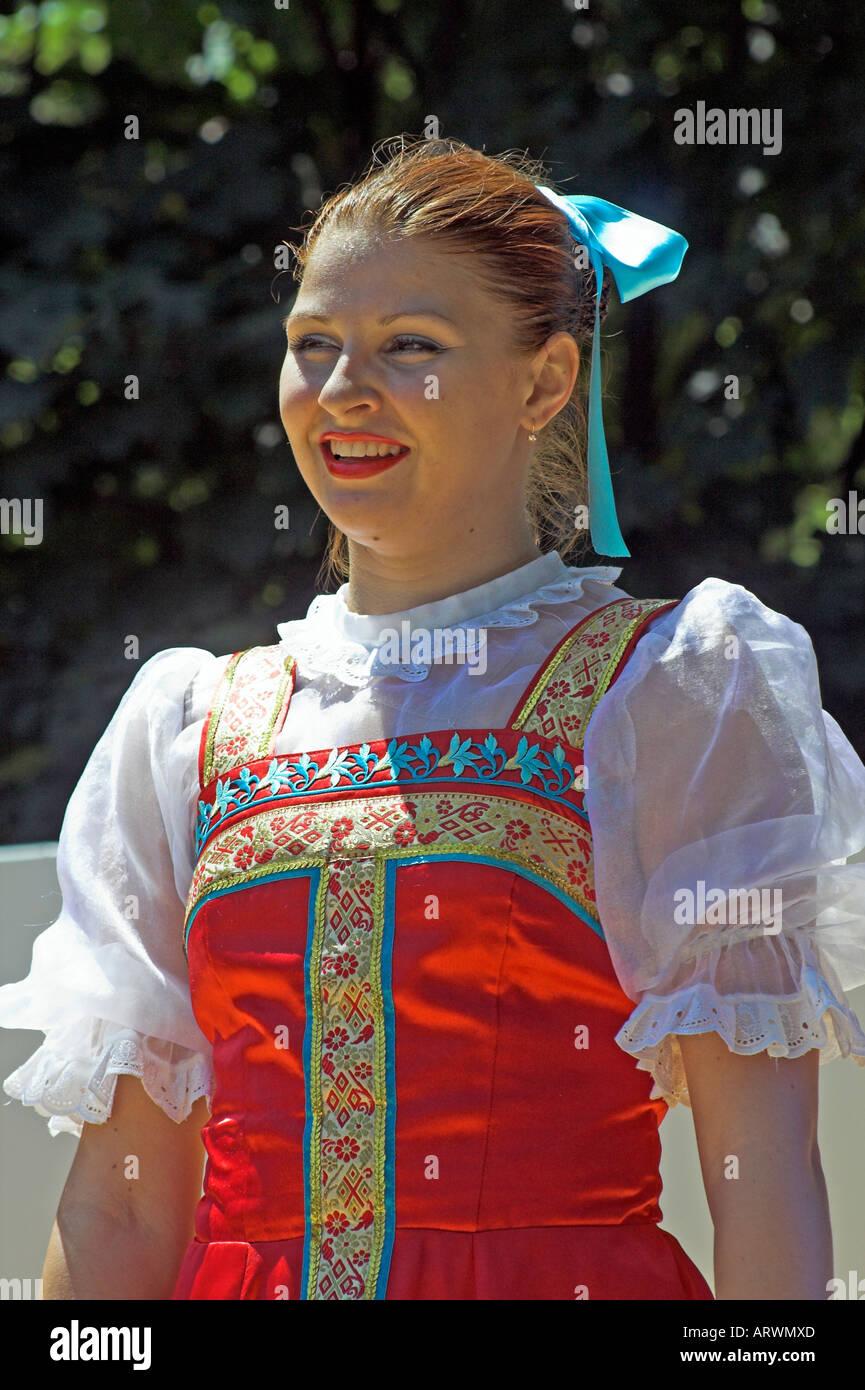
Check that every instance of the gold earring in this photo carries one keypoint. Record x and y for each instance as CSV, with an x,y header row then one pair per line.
x,y
533,436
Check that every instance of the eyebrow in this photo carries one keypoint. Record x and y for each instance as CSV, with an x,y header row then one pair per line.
x,y
419,313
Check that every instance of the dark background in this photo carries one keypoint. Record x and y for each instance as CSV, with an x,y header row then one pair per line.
x,y
155,257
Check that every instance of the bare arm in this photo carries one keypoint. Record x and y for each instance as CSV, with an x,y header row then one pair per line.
x,y
122,1237
773,1238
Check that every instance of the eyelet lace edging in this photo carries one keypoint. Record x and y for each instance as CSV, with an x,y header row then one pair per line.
x,y
73,1084
782,1027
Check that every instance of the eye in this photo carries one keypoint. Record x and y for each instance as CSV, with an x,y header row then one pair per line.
x,y
315,343
298,344
421,344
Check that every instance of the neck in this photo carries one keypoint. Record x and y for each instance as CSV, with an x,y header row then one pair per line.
x,y
391,583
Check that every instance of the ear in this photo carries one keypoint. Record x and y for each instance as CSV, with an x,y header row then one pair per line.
x,y
552,377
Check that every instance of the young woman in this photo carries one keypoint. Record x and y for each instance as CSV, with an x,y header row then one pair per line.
x,y
438,901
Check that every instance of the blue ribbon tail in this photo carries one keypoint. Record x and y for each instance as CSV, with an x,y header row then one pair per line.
x,y
604,530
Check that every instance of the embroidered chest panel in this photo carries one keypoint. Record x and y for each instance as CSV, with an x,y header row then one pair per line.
x,y
348,818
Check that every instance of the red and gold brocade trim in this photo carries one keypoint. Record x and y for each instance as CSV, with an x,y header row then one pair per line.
x,y
247,712
347,1064
563,697
469,757
550,844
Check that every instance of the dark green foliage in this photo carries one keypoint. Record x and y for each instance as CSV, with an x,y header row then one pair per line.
x,y
154,257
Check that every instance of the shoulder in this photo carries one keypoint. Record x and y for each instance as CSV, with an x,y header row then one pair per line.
x,y
168,684
716,605
172,667
715,623
718,665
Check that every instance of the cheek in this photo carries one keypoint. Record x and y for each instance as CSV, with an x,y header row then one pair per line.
x,y
294,391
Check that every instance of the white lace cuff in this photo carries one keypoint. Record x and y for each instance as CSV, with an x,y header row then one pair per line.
x,y
71,1078
786,1026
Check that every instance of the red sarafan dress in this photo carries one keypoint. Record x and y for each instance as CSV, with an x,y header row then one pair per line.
x,y
395,951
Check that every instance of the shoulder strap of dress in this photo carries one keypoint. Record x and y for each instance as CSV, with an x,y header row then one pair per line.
x,y
247,712
562,696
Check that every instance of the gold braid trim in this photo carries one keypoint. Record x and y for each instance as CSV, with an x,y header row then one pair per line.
x,y
651,606
216,709
441,850
571,646
316,1104
264,745
380,1082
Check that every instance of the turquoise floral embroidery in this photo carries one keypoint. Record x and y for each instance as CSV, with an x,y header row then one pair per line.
x,y
526,758
357,767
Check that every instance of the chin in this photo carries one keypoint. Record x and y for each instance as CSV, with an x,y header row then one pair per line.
x,y
375,530
362,511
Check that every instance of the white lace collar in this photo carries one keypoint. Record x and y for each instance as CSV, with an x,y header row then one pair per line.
x,y
333,639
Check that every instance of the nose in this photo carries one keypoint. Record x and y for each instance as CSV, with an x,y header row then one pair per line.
x,y
349,384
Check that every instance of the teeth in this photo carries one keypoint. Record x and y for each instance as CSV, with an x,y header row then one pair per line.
x,y
359,449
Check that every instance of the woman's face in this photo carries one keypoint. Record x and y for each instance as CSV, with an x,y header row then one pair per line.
x,y
398,339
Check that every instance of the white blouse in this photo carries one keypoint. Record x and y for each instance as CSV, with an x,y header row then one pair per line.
x,y
710,761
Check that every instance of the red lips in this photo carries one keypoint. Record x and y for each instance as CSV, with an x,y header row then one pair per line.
x,y
359,467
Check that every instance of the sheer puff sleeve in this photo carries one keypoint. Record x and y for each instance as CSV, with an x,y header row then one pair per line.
x,y
108,984
724,804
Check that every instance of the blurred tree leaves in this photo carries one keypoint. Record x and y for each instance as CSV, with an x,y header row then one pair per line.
x,y
152,258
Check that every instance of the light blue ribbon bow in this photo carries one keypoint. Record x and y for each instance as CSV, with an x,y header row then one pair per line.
x,y
641,255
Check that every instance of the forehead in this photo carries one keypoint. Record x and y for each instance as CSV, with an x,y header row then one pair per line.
x,y
366,267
